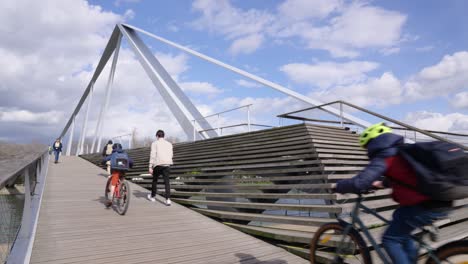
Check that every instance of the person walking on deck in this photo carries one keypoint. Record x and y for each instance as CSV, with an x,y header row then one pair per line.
x,y
107,151
57,147
159,164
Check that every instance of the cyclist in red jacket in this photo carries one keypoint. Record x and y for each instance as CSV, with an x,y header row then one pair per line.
x,y
116,174
415,208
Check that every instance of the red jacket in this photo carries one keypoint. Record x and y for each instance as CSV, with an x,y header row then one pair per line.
x,y
398,170
385,160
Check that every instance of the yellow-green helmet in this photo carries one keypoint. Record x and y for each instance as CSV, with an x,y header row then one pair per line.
x,y
373,132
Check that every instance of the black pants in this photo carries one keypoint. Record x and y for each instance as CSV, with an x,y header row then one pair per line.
x,y
164,171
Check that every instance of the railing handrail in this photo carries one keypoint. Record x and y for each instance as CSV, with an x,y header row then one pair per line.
x,y
424,132
16,173
237,125
225,111
21,249
129,134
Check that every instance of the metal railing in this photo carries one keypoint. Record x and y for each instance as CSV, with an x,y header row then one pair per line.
x,y
33,176
219,128
129,136
237,125
429,134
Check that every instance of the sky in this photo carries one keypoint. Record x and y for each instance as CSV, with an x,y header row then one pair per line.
x,y
407,60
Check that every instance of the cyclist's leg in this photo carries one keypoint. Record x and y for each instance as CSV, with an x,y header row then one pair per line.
x,y
397,239
108,167
115,179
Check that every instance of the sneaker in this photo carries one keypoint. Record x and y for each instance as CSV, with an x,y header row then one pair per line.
x,y
108,203
149,197
168,202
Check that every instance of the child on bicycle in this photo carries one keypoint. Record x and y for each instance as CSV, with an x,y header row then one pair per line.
x,y
415,209
117,170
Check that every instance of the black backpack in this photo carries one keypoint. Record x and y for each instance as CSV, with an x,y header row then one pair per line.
x,y
441,169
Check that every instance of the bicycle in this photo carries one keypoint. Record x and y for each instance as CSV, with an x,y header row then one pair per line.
x,y
340,242
121,195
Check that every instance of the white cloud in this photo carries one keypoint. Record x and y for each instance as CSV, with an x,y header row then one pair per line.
x,y
246,45
25,116
172,27
453,122
449,75
48,62
359,26
129,14
390,51
306,9
425,48
340,28
460,100
221,17
200,88
328,73
119,2
174,64
247,84
377,92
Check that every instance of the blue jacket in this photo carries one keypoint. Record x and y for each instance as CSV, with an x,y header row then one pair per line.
x,y
378,150
108,158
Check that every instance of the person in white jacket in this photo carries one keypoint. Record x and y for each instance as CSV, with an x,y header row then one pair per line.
x,y
159,164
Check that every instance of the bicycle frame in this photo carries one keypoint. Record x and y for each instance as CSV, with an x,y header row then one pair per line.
x,y
116,193
355,220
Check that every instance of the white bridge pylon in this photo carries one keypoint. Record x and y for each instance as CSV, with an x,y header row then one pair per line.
x,y
185,112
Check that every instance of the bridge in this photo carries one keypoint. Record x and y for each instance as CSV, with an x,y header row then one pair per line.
x,y
254,197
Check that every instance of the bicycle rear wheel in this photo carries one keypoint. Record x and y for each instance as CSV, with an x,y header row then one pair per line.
x,y
453,253
328,246
123,200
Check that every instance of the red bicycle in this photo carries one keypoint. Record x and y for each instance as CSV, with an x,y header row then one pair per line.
x,y
121,196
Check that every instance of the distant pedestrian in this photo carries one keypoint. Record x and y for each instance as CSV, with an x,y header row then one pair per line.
x,y
57,147
50,150
159,164
107,151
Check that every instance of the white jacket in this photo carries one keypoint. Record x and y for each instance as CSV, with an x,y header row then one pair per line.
x,y
161,153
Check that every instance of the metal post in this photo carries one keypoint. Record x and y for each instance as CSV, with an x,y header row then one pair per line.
x,y
194,131
219,126
87,149
26,220
70,137
221,132
108,91
248,118
341,114
79,150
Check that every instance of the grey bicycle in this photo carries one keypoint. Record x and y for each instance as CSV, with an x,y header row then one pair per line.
x,y
340,242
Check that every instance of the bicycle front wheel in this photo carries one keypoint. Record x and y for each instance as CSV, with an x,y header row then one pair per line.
x,y
330,245
453,253
124,198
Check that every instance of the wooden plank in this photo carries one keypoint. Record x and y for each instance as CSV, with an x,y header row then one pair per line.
x,y
264,218
256,195
75,227
266,206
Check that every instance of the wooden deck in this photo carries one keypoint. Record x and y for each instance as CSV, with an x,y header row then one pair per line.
x,y
75,227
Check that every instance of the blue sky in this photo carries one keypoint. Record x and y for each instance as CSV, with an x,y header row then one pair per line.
x,y
404,59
